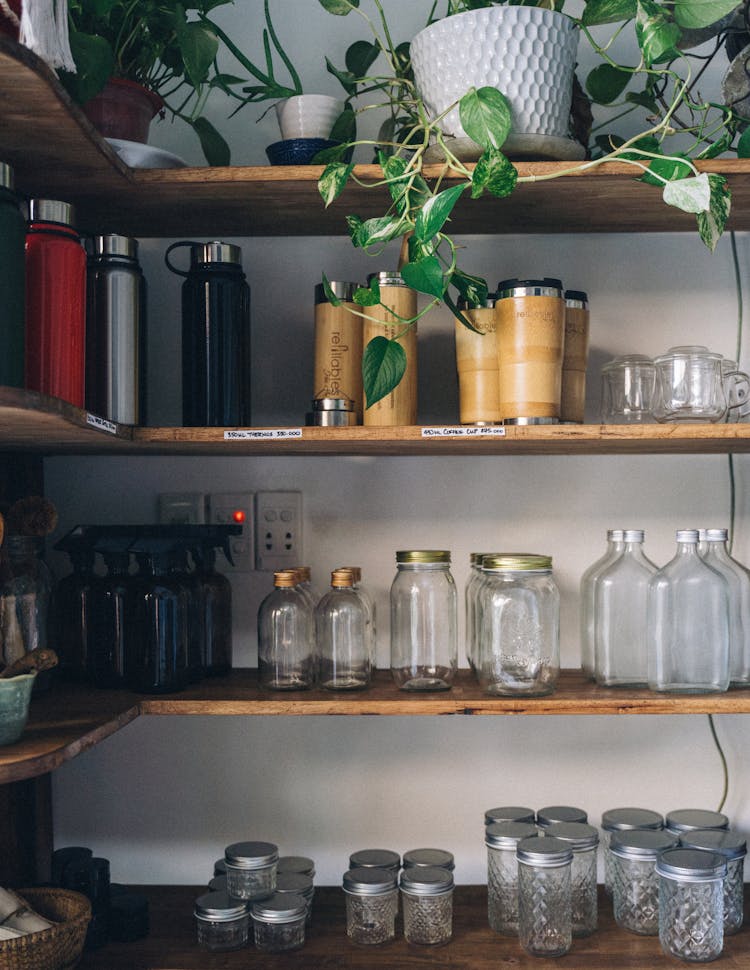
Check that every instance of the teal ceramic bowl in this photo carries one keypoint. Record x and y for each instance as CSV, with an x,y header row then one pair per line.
x,y
15,694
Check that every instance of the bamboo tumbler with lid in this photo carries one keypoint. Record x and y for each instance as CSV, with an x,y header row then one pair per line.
x,y
400,406
476,362
338,347
530,337
575,357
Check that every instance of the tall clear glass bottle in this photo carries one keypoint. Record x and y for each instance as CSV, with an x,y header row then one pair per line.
x,y
588,589
286,636
620,632
341,636
369,604
713,549
688,623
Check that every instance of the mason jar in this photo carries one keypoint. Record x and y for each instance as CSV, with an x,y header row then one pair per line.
x,y
222,921
426,858
371,905
635,885
692,819
375,859
519,625
583,839
423,621
545,925
251,869
691,904
624,820
295,863
298,884
733,847
501,839
279,923
551,814
509,813
428,905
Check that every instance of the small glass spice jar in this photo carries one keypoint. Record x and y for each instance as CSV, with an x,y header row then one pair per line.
x,y
551,814
222,921
624,820
375,859
251,869
545,926
691,904
298,884
279,923
692,819
428,905
371,905
635,885
733,847
220,867
501,839
509,813
584,841
424,858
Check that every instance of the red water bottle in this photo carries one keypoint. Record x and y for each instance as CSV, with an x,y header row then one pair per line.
x,y
55,302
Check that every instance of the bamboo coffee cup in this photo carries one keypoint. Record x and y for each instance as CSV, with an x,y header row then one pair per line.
x,y
575,357
530,336
400,406
476,362
338,347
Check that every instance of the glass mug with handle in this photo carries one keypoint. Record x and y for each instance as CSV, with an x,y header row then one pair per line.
x,y
736,391
689,385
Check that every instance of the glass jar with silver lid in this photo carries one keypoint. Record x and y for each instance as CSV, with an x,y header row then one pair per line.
x,y
691,819
222,921
624,820
733,847
691,903
509,813
251,869
371,905
427,895
635,885
296,863
424,858
545,926
299,884
584,841
501,839
375,859
560,813
279,923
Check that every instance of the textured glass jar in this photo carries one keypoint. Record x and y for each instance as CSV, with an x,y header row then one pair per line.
x,y
251,869
223,923
423,621
688,609
583,839
427,858
545,926
428,905
519,625
624,820
341,635
509,813
375,859
286,636
501,839
588,592
551,814
279,923
371,905
298,884
296,863
690,819
635,886
691,904
713,550
733,847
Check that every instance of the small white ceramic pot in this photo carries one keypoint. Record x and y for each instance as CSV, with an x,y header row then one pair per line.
x,y
308,115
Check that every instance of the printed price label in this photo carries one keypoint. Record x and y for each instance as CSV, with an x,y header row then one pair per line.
x,y
459,431
262,434
101,424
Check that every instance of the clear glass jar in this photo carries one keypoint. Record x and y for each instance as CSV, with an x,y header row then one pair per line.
x,y
688,608
624,820
341,636
551,814
251,869
423,621
501,839
691,819
691,904
375,859
286,636
733,847
428,905
509,813
583,839
371,905
223,923
519,631
589,579
428,858
471,593
713,550
635,885
297,884
279,923
620,632
545,925
24,598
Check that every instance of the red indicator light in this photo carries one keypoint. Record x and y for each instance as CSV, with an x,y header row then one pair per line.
x,y
238,516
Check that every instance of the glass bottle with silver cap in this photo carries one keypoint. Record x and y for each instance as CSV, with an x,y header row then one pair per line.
x,y
427,895
691,904
371,905
545,926
589,580
501,839
713,550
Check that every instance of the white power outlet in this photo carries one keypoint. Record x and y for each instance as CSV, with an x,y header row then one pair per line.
x,y
278,530
181,508
235,508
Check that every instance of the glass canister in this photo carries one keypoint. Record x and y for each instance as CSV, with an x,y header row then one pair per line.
x,y
733,847
375,859
691,904
223,922
427,858
12,235
519,625
24,598
471,604
251,869
624,820
584,841
298,884
628,388
427,895
551,814
635,886
398,303
341,631
689,385
285,636
691,819
575,357
545,925
423,621
501,839
615,538
371,905
337,372
476,363
509,813
279,923
713,550
295,864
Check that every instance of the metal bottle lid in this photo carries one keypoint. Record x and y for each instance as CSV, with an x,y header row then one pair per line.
x,y
251,855
296,863
51,210
375,859
548,286
370,881
475,558
279,908
509,813
517,562
685,819
546,853
488,304
634,535
641,844
691,865
427,881
343,291
295,882
578,835
285,579
426,858
342,579
625,819
560,813
576,299
113,245
615,535
713,535
687,535
220,907
7,176
387,277
731,845
423,555
215,252
507,835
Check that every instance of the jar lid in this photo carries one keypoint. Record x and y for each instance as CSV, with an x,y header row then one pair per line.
x,y
577,298
685,819
692,352
7,176
622,819
713,535
615,535
691,865
634,535
369,882
578,835
560,813
424,858
342,291
342,579
215,252
475,558
547,853
687,535
51,210
509,813
423,555
251,855
113,245
517,562
643,844
548,286
387,277
332,404
731,845
294,882
427,881
219,907
279,908
489,304
296,863
374,859
507,835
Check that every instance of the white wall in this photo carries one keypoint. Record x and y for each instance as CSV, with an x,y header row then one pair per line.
x,y
163,797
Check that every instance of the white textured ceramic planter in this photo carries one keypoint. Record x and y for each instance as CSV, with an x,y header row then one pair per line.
x,y
308,115
527,53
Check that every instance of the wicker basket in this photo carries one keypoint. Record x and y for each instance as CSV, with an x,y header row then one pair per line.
x,y
61,946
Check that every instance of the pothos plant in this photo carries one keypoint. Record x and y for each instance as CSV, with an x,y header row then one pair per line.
x,y
662,84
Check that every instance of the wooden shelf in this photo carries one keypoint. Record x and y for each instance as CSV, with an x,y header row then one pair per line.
x,y
172,943
57,153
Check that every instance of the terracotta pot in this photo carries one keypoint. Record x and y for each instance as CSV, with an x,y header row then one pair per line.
x,y
123,109
6,27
